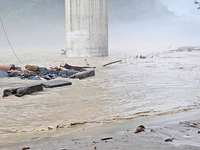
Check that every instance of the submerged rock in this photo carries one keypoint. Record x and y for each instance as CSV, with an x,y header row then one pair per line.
x,y
3,74
67,73
83,75
35,78
21,91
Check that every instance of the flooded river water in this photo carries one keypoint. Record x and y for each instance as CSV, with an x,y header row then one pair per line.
x,y
163,84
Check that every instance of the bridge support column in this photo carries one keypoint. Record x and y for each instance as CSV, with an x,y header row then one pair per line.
x,y
86,28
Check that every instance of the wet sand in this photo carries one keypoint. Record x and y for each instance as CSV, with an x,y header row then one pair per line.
x,y
182,128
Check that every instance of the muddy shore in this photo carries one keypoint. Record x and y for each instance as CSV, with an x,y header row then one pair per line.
x,y
182,128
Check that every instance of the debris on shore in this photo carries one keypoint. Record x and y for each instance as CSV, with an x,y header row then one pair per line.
x,y
33,72
25,148
139,129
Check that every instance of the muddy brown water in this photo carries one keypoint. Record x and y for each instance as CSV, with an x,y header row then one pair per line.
x,y
167,83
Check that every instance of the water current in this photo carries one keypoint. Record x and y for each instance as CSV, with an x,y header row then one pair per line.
x,y
163,83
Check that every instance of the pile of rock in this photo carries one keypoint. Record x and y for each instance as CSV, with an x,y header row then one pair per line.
x,y
39,73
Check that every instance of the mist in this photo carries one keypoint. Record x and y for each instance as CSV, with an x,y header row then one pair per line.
x,y
134,26
168,24
32,25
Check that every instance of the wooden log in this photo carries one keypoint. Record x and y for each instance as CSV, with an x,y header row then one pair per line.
x,y
83,75
112,63
21,91
75,67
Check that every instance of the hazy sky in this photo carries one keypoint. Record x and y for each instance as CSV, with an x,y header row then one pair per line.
x,y
185,8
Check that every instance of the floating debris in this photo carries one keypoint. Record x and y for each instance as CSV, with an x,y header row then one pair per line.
x,y
105,139
25,148
112,63
168,140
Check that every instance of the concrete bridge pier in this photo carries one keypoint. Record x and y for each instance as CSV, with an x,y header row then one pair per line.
x,y
86,28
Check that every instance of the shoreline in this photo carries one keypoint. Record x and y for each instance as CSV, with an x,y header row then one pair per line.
x,y
158,129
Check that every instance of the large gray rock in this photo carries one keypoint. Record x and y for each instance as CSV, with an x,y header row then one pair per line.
x,y
83,75
67,73
56,83
3,74
21,91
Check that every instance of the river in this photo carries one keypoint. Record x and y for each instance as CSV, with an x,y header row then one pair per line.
x,y
163,83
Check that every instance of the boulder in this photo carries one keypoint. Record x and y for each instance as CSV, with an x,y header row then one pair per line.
x,y
5,68
83,75
43,71
57,83
21,91
67,73
32,68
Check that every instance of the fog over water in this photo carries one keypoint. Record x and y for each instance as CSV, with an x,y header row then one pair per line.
x,y
179,26
133,25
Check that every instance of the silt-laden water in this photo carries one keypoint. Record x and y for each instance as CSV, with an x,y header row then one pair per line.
x,y
163,84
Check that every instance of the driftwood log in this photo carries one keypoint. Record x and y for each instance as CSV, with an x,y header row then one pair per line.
x,y
80,69
112,63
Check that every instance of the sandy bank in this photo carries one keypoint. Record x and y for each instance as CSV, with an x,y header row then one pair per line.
x,y
182,128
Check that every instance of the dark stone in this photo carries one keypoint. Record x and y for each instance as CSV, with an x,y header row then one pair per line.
x,y
43,71
52,76
63,74
25,148
17,68
109,138
21,91
55,72
13,67
12,74
84,74
71,72
67,73
47,77
168,140
57,83
3,74
22,77
35,78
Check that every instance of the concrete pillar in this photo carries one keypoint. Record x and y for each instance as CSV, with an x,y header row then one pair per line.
x,y
87,28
